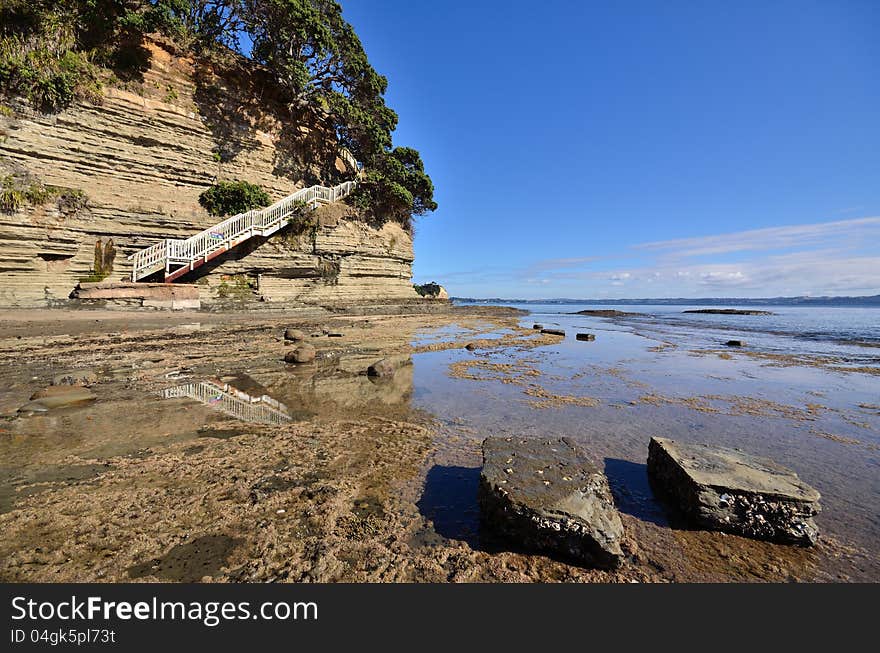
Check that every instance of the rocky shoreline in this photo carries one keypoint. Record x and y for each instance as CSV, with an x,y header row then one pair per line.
x,y
344,479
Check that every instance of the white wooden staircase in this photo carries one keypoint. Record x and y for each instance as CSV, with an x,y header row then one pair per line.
x,y
177,257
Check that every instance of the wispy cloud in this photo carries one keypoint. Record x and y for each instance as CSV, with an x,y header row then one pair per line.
x,y
772,238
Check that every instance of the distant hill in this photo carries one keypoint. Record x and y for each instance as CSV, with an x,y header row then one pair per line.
x,y
867,301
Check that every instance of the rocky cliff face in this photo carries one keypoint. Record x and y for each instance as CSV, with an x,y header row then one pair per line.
x,y
142,158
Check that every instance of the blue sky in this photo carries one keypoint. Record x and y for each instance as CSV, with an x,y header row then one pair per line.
x,y
639,149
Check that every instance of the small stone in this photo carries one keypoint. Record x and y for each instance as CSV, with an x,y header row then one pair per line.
x,y
735,343
538,326
553,332
78,377
381,369
470,346
585,336
302,354
294,335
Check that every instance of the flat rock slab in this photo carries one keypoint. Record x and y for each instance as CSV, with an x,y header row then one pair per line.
x,y
553,332
731,491
57,396
546,495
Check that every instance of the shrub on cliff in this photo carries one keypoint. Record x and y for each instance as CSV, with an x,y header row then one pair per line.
x,y
427,289
52,51
231,197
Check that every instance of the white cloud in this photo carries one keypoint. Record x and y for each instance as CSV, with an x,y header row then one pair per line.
x,y
771,238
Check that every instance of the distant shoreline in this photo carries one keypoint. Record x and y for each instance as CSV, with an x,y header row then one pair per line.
x,y
868,301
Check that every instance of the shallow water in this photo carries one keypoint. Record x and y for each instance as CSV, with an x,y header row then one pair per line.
x,y
823,424
850,332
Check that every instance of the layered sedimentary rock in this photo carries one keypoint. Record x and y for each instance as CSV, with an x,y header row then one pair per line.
x,y
142,158
547,496
727,490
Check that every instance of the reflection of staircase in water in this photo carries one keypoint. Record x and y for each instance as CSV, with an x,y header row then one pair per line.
x,y
232,401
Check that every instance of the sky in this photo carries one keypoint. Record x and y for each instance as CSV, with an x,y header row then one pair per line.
x,y
639,149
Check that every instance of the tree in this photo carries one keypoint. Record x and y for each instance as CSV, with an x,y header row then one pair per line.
x,y
396,187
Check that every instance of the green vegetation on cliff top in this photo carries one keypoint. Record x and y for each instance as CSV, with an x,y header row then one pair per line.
x,y
51,52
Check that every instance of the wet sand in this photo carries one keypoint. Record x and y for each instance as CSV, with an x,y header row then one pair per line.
x,y
317,472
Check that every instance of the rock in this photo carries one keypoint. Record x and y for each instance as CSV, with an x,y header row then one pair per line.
x,y
470,346
538,326
77,377
731,491
735,343
294,335
56,396
546,495
302,354
334,334
553,332
585,336
381,369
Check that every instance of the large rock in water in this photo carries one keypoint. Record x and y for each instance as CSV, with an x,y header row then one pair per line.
x,y
727,490
546,495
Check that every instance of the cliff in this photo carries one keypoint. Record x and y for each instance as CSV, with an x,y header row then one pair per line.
x,y
143,156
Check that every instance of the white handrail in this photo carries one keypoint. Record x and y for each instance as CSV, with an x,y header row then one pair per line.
x,y
232,401
233,230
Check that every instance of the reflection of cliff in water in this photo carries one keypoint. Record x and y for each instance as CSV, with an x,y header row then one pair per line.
x,y
341,383
328,386
232,401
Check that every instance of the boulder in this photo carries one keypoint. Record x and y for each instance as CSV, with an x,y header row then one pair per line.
x,y
735,343
538,326
470,346
302,354
586,336
381,369
294,335
77,377
546,495
728,490
553,332
334,334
